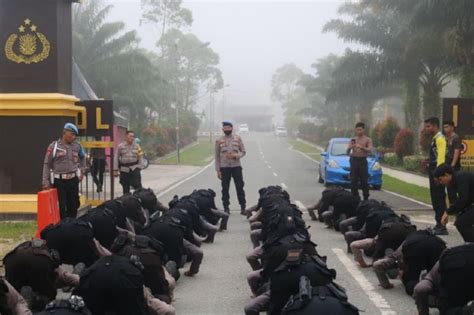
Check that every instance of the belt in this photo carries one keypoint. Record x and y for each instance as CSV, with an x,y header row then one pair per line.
x,y
128,164
65,176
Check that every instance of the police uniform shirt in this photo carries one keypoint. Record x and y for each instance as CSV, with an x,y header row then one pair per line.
x,y
128,157
63,158
225,145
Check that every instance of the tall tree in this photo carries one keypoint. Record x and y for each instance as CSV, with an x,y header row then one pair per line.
x,y
166,14
190,64
112,62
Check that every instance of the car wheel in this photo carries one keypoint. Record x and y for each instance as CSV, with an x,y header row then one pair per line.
x,y
320,179
326,184
377,187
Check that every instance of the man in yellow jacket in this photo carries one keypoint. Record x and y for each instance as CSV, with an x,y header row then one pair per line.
x,y
437,157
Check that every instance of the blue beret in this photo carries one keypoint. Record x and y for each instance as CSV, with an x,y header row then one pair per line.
x,y
71,127
227,123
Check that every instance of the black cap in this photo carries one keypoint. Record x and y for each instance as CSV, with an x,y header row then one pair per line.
x,y
227,123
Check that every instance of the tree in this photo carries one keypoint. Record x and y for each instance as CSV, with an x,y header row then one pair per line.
x,y
286,90
166,14
451,21
113,64
189,64
398,53
285,82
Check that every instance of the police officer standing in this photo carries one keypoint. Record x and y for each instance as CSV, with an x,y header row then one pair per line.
x,y
128,162
65,157
228,152
360,148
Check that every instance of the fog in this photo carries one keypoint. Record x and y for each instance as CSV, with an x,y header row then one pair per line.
x,y
253,38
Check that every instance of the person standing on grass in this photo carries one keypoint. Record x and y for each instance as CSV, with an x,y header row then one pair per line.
x,y
437,157
360,147
453,155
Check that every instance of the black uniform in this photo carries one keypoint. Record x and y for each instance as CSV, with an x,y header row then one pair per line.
x,y
33,264
73,239
150,252
463,183
113,285
284,282
328,299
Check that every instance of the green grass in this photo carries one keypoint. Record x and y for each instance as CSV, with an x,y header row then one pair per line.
x,y
17,230
306,149
406,189
14,232
197,155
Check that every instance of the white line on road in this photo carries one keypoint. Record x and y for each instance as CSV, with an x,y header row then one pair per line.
x,y
301,206
167,190
376,298
283,185
269,166
275,174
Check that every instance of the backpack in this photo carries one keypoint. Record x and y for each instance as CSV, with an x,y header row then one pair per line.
x,y
456,267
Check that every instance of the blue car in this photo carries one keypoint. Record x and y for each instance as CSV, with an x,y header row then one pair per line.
x,y
334,169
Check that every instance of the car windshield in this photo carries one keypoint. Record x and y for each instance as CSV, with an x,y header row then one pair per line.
x,y
339,148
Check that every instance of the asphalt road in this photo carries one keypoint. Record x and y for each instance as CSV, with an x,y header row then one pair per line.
x,y
221,287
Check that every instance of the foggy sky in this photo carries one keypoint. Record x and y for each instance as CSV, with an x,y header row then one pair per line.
x,y
253,38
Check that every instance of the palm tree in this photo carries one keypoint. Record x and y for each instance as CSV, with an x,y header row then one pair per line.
x,y
111,60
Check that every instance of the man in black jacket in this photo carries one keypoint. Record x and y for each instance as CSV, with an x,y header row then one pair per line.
x,y
463,183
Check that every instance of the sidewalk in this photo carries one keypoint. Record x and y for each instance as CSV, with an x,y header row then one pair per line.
x,y
407,177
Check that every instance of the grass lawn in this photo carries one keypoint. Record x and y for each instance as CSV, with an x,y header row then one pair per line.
x,y
306,149
14,232
197,155
406,189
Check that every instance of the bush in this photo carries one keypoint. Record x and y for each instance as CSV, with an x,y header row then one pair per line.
x,y
388,131
413,163
391,159
425,141
375,134
404,143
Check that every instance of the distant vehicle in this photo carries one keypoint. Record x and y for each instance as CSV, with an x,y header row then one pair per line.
x,y
334,169
243,128
281,132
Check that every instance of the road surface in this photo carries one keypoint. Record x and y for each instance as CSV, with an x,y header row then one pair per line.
x,y
221,287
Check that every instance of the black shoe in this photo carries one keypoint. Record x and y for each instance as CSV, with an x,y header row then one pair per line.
x,y
99,188
242,210
440,231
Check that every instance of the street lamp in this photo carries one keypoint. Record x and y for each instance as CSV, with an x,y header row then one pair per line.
x,y
178,157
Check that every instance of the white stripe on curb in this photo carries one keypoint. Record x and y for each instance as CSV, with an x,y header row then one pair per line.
x,y
376,298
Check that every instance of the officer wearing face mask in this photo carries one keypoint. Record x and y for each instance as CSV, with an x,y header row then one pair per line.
x,y
228,152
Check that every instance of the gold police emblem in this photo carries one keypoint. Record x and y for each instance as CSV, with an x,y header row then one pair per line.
x,y
28,45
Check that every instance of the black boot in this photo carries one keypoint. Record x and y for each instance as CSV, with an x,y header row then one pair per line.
x,y
242,210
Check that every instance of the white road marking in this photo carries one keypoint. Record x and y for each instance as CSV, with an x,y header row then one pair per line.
x,y
283,185
174,186
301,206
275,174
269,166
305,155
376,298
